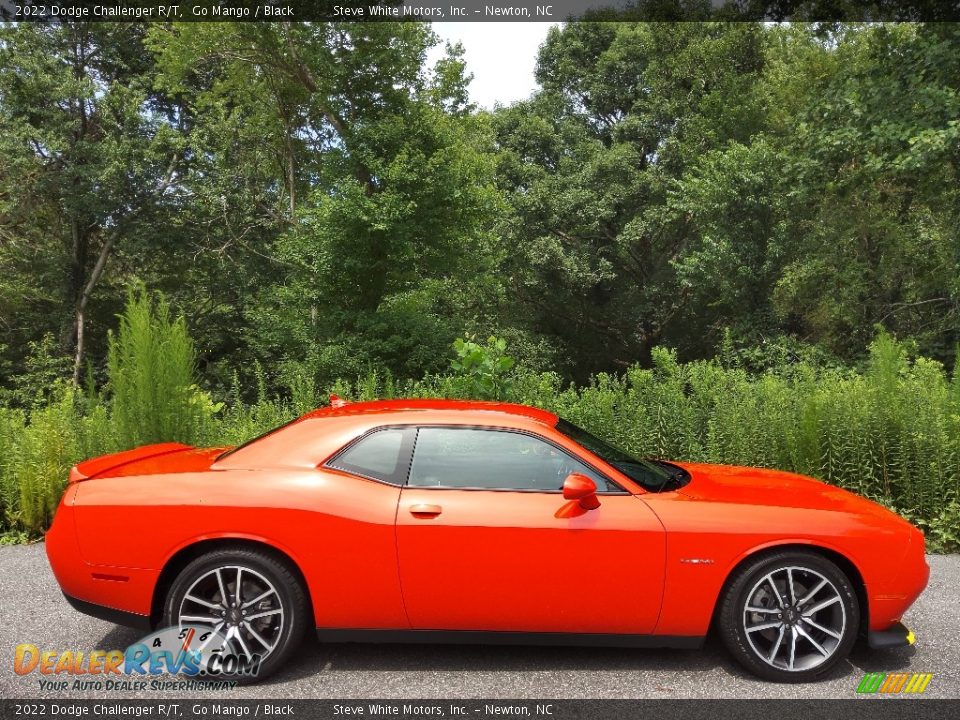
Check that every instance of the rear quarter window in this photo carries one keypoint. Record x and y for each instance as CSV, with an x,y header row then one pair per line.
x,y
375,455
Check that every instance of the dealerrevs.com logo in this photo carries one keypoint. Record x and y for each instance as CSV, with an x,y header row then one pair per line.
x,y
194,652
894,683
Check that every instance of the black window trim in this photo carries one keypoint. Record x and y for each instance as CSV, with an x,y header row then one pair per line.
x,y
404,457
517,431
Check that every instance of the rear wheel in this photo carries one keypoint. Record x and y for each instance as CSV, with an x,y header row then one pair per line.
x,y
250,600
789,617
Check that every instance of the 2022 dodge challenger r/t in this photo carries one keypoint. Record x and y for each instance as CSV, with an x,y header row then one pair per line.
x,y
436,520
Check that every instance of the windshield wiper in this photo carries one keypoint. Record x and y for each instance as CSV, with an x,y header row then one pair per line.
x,y
675,476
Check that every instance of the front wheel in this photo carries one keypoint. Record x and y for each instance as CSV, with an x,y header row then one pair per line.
x,y
789,617
254,607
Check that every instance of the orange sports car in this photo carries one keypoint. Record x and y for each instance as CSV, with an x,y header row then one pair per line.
x,y
451,521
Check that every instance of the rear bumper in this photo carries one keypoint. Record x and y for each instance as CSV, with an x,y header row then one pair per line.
x,y
898,635
117,617
129,590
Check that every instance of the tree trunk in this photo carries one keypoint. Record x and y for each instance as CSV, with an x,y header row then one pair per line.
x,y
76,277
78,357
291,175
82,301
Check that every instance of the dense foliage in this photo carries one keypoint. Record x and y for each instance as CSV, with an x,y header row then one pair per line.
x,y
319,205
891,433
318,199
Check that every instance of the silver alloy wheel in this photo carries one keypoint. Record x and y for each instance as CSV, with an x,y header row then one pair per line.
x,y
794,618
239,603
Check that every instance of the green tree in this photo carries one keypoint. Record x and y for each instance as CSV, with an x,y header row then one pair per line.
x,y
671,181
388,183
88,153
875,202
590,164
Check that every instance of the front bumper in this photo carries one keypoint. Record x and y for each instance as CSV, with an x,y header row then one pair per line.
x,y
898,635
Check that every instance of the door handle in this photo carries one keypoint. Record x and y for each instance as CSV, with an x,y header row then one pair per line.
x,y
425,511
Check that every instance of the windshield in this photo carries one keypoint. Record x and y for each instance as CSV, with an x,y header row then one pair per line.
x,y
650,475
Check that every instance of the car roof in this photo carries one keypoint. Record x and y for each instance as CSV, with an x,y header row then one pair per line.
x,y
467,407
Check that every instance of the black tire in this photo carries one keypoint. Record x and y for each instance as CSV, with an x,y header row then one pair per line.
x,y
289,590
753,650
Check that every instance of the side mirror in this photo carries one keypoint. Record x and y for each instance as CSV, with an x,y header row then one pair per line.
x,y
580,487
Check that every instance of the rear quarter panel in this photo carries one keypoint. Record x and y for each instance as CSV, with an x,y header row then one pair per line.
x,y
337,528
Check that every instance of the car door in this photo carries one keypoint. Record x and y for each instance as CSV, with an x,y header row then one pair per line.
x,y
486,541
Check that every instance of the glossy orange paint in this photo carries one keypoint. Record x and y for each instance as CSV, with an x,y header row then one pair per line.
x,y
582,489
726,514
496,560
379,556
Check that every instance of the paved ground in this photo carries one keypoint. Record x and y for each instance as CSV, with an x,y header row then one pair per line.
x,y
33,610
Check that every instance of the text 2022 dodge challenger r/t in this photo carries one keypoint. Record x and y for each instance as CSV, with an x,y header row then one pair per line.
x,y
436,520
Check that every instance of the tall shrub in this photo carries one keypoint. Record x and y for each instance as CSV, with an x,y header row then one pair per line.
x,y
151,363
12,424
47,449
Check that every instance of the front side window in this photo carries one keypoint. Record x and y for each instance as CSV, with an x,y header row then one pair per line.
x,y
494,460
376,455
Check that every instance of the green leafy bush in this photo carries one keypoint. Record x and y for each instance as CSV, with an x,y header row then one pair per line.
x,y
483,368
12,424
47,448
151,363
890,432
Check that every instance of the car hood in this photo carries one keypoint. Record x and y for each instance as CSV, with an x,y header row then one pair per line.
x,y
754,486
